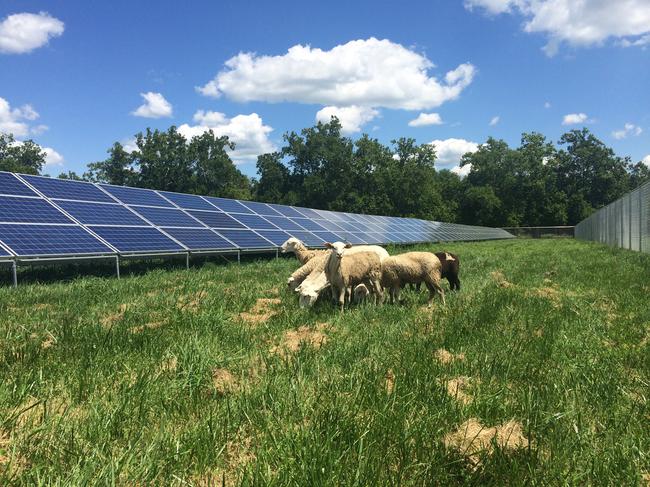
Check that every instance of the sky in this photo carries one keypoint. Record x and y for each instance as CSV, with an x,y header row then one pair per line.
x,y
76,76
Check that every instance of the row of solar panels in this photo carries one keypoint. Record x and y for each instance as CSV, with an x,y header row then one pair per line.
x,y
41,217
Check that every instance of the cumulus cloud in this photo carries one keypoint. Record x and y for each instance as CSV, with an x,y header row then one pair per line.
x,y
449,153
24,32
16,120
52,158
628,130
352,118
646,160
574,118
577,22
426,119
248,132
154,106
494,121
547,104
367,72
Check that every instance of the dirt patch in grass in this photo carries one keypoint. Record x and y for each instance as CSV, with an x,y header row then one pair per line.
x,y
49,342
500,279
539,333
170,364
459,388
549,293
223,381
147,326
645,477
294,340
261,312
190,303
446,357
11,463
472,438
110,319
389,381
42,306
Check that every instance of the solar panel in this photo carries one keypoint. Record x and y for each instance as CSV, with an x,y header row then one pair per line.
x,y
355,238
261,208
11,185
199,239
136,239
101,213
29,210
328,236
246,239
229,206
308,212
255,222
215,219
187,201
307,238
67,189
307,224
284,223
285,210
277,237
137,196
42,240
3,252
166,217
328,225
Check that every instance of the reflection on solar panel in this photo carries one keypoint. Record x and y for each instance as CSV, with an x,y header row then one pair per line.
x,y
246,239
215,219
29,210
136,239
308,224
29,240
227,205
261,208
255,222
199,239
9,184
136,196
188,201
327,236
67,189
166,217
284,223
308,238
101,214
277,237
285,210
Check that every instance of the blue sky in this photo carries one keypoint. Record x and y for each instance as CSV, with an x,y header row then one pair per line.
x,y
73,74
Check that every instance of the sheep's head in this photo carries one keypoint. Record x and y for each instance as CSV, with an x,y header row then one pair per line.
x,y
337,248
292,283
361,292
308,298
291,245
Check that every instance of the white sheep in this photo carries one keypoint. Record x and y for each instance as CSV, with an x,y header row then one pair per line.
x,y
303,254
361,292
412,268
345,270
298,276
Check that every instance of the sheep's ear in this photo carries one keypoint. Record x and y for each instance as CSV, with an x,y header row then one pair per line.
x,y
328,245
348,245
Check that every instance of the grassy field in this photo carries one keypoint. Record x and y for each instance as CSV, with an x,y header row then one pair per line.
x,y
537,372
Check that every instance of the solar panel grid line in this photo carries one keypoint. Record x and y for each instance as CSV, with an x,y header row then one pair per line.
x,y
12,185
54,188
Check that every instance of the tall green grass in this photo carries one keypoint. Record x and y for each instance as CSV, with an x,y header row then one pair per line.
x,y
107,381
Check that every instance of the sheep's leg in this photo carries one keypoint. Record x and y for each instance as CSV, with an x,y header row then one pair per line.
x,y
348,295
434,287
377,291
341,298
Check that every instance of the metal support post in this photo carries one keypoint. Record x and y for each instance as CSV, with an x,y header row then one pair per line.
x,y
239,256
14,271
277,254
640,220
117,265
629,227
187,261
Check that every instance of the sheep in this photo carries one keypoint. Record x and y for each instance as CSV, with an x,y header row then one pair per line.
x,y
449,270
345,270
361,292
305,270
412,268
303,254
312,287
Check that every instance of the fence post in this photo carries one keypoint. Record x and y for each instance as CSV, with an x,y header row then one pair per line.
x,y
640,220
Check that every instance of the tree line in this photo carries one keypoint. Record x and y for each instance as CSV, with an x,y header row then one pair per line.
x,y
536,183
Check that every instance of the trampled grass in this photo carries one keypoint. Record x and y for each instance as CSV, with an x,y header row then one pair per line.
x,y
173,377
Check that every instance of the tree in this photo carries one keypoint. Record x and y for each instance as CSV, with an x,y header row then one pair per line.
x,y
24,157
273,184
116,169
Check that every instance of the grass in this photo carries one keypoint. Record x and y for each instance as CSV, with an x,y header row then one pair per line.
x,y
158,379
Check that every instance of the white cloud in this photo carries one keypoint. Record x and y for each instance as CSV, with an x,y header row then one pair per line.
x,y
426,119
52,158
577,22
248,132
21,33
154,106
462,171
640,42
351,118
627,130
574,118
494,121
15,120
547,104
449,153
367,72
646,160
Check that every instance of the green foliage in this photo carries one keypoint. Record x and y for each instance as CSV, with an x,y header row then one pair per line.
x,y
25,157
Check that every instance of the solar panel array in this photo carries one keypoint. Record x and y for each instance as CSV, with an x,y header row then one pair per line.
x,y
44,217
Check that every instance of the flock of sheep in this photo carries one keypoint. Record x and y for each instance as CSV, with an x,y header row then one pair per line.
x,y
364,270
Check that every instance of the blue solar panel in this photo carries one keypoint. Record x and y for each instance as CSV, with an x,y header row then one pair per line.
x,y
329,225
308,212
308,238
215,219
285,210
165,217
328,236
261,208
10,184
351,227
284,223
246,239
29,210
255,222
227,205
137,196
136,239
101,213
32,240
199,239
276,236
67,189
308,224
355,238
187,201
3,252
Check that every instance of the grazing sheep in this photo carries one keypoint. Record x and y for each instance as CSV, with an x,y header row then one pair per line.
x,y
412,268
449,270
303,254
361,292
345,270
305,270
312,287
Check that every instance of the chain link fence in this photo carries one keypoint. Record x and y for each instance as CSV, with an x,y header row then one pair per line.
x,y
624,223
